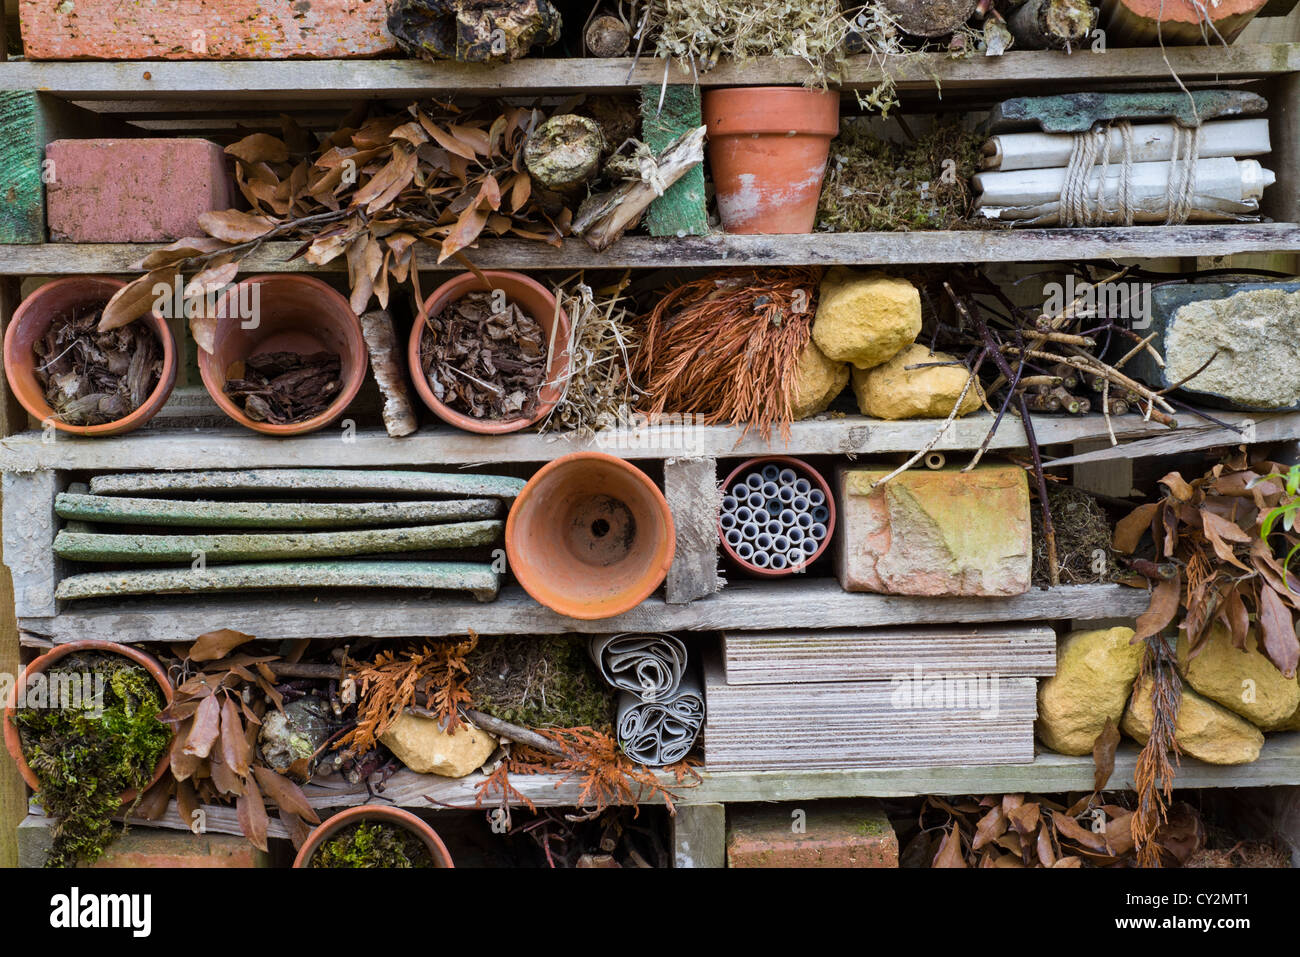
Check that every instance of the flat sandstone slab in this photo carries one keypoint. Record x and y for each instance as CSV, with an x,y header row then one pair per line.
x,y
353,481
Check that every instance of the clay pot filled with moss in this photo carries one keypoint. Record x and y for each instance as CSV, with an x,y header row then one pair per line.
x,y
373,837
82,725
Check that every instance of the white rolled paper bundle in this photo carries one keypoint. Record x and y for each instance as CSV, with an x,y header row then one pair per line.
x,y
658,733
1152,142
648,665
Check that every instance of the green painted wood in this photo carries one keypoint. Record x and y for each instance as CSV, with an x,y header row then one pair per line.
x,y
22,150
478,579
310,480
110,509
681,210
101,547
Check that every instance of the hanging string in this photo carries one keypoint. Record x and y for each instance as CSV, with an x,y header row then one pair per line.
x,y
1082,204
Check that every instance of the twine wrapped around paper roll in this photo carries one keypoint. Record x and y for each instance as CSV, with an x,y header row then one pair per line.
x,y
662,732
647,665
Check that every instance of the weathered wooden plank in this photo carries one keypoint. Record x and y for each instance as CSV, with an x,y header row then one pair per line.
x,y
113,509
352,481
1256,428
373,448
479,580
29,527
882,654
666,114
325,79
81,546
691,488
1282,200
699,835
723,250
812,603
13,792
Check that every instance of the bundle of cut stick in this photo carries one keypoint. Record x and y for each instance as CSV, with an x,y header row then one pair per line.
x,y
1119,173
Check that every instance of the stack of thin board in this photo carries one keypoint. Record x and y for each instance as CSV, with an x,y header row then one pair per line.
x,y
874,698
219,531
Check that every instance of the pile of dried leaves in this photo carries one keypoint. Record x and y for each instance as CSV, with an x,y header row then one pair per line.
x,y
92,376
285,387
484,357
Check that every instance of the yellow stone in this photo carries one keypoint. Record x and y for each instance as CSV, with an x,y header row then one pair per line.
x,y
865,319
1095,671
892,391
1242,681
820,381
1204,730
423,746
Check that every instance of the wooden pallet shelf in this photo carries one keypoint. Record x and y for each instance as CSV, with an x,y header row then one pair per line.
x,y
310,79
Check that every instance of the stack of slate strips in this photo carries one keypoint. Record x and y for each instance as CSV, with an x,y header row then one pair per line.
x,y
874,698
221,531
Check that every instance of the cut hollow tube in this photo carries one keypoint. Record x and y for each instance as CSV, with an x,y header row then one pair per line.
x,y
809,546
770,489
754,480
761,559
763,541
802,486
816,497
734,537
820,514
818,531
781,543
745,550
777,561
750,531
786,494
774,527
741,491
757,502
727,520
795,534
787,477
729,503
770,472
801,503
743,514
788,517
804,520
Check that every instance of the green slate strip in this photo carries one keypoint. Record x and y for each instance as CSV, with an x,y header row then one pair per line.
x,y
681,210
111,509
479,579
351,481
1077,112
22,151
100,547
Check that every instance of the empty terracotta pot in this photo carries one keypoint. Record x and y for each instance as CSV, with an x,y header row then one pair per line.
x,y
767,152
13,740
298,314
32,319
380,814
534,299
590,536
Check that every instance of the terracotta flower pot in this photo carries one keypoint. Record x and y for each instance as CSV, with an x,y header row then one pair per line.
x,y
298,314
13,741
33,318
380,814
590,536
803,470
767,152
534,299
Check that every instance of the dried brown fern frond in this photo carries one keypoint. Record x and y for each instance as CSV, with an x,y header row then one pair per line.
x,y
1154,774
726,347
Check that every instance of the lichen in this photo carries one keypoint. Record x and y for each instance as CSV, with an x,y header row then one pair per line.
x,y
86,752
540,682
373,844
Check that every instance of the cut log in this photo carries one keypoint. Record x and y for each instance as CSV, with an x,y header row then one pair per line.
x,y
930,18
1176,22
296,481
607,36
1052,24
387,362
563,154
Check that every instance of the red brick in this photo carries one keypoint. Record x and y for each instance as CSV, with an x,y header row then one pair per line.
x,y
230,29
152,847
133,191
834,834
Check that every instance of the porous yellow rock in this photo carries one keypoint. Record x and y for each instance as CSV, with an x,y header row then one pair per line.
x,y
1095,671
820,381
1291,723
1203,730
423,746
865,319
892,391
1244,681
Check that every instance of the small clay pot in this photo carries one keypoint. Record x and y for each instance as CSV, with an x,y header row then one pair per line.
x,y
808,472
590,536
13,740
381,814
767,151
34,316
298,314
534,299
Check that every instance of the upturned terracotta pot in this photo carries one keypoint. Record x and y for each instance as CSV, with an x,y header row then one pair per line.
x,y
33,318
298,314
767,152
380,814
534,299
13,740
590,536
803,470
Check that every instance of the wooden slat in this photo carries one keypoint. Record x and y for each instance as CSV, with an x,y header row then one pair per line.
x,y
244,80
812,603
721,250
29,529
691,489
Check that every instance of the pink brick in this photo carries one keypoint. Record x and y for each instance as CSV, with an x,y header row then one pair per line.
x,y
152,847
811,834
133,191
228,29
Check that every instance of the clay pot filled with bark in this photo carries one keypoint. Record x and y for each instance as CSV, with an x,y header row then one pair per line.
x,y
287,355
491,354
336,843
768,147
65,372
590,536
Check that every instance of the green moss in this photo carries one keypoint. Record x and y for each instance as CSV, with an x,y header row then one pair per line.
x,y
540,683
86,750
871,827
373,844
